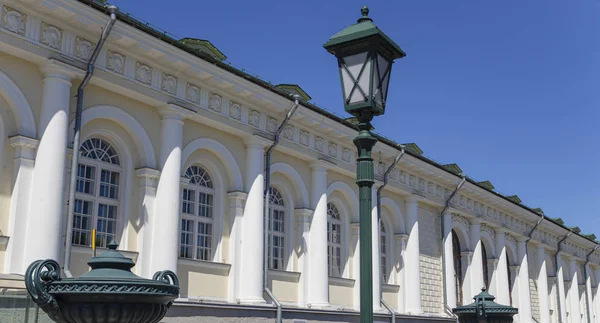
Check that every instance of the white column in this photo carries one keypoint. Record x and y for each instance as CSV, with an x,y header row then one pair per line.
x,y
318,274
542,283
303,219
450,275
476,268
575,310
166,223
413,270
237,202
552,299
514,275
148,181
355,242
591,311
400,271
19,202
523,281
46,216
376,235
597,294
560,279
501,272
492,268
466,259
252,230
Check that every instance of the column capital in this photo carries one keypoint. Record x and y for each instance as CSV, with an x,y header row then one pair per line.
x,y
401,237
414,198
493,261
148,176
55,69
320,165
257,141
237,195
475,222
303,215
355,227
514,267
467,253
173,112
521,239
25,146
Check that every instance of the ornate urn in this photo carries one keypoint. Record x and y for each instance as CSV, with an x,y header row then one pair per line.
x,y
485,310
110,292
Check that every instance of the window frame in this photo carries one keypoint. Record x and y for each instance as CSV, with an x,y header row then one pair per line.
x,y
283,235
194,217
331,221
94,197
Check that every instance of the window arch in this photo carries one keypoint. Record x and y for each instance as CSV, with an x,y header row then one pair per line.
x,y
97,193
334,241
484,261
197,218
457,268
383,252
276,221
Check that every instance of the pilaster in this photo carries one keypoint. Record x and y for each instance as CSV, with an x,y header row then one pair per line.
x,y
413,272
237,203
400,240
147,183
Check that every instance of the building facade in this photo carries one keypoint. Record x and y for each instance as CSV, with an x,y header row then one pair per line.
x,y
172,168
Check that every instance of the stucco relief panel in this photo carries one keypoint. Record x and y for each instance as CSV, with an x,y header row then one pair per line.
x,y
169,83
83,48
193,93
115,62
51,36
143,73
14,20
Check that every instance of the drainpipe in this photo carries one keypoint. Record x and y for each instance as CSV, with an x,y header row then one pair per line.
x,y
585,272
559,316
266,210
447,308
385,181
112,10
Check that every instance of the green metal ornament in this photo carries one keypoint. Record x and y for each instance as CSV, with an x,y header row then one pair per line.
x,y
485,310
110,292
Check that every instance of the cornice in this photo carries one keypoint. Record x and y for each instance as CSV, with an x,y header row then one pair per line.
x,y
310,129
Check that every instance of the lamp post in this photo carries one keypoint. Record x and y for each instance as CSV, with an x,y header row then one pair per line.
x,y
365,56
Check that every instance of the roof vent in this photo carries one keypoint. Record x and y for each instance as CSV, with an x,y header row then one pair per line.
x,y
453,168
294,89
413,148
514,198
486,184
204,46
539,211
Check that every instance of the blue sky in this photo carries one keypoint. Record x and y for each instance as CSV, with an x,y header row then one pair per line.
x,y
509,90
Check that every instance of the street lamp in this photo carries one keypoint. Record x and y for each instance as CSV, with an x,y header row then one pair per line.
x,y
365,56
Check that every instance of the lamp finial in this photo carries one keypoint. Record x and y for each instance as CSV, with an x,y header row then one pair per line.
x,y
365,14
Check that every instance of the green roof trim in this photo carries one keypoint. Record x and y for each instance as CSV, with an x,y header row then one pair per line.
x,y
165,37
453,168
575,229
294,89
539,211
515,198
201,44
590,236
486,184
413,148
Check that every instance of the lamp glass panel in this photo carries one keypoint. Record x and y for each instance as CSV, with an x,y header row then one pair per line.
x,y
383,65
375,87
354,64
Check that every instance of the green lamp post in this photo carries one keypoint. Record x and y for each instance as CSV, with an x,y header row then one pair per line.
x,y
365,56
109,292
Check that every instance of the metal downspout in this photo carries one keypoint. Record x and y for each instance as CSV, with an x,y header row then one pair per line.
x,y
112,10
266,208
447,309
585,272
559,316
385,181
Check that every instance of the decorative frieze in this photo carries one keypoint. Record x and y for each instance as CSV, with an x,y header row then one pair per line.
x,y
215,103
169,83
346,155
14,20
193,93
143,73
272,125
83,48
51,36
115,62
333,149
235,110
319,144
304,138
254,118
288,132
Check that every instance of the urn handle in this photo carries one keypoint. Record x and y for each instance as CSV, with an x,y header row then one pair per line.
x,y
166,276
39,275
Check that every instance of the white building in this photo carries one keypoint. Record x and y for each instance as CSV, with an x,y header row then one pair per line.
x,y
172,167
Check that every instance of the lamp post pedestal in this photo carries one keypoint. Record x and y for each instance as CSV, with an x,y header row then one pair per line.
x,y
365,178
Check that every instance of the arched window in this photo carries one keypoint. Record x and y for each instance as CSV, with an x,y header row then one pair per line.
x,y
334,241
457,268
484,260
276,230
383,251
97,193
197,204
